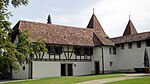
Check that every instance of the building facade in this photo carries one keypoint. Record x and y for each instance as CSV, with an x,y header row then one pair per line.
x,y
76,51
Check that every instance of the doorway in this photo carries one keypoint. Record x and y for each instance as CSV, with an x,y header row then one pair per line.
x,y
97,68
30,70
63,69
66,70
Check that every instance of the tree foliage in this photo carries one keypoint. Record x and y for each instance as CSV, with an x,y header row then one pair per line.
x,y
26,47
19,52
49,20
16,3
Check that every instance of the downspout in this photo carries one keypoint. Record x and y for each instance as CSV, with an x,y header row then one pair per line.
x,y
102,60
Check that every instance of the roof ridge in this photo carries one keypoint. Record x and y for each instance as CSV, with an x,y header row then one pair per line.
x,y
55,24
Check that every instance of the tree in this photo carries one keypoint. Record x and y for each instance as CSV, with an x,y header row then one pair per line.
x,y
26,47
49,19
9,52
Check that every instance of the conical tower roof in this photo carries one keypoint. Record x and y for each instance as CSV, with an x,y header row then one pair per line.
x,y
130,29
96,26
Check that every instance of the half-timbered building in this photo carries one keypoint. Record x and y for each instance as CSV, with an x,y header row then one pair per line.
x,y
74,51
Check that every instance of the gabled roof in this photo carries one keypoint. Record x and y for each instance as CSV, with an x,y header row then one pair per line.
x,y
131,38
130,29
56,34
102,41
63,35
96,26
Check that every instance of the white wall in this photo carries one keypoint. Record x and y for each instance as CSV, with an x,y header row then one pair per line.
x,y
132,58
97,57
109,58
21,74
82,68
52,69
46,69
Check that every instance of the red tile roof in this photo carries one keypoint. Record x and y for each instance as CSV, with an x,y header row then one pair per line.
x,y
131,38
96,26
130,29
58,34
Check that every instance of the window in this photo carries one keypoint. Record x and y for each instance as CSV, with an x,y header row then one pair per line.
x,y
122,46
130,45
54,50
148,42
109,50
88,51
77,51
58,50
117,45
51,50
23,67
138,44
114,51
111,63
84,51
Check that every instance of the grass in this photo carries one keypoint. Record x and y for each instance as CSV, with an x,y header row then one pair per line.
x,y
144,80
66,80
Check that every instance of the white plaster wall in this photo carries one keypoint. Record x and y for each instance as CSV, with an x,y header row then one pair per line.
x,y
97,57
21,74
132,58
109,58
82,68
43,69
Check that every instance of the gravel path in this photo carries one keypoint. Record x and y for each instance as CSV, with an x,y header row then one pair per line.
x,y
107,80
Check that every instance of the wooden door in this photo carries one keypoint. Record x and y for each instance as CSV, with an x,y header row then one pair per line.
x,y
70,70
97,68
63,69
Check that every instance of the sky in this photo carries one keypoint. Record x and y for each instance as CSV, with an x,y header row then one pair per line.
x,y
113,15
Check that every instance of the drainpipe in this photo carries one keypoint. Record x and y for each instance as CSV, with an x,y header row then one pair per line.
x,y
102,60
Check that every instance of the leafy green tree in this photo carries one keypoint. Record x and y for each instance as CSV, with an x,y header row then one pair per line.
x,y
9,52
26,47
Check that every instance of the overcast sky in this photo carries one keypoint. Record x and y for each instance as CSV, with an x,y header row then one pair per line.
x,y
113,15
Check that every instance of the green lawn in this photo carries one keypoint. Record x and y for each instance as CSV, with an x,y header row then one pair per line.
x,y
66,80
144,80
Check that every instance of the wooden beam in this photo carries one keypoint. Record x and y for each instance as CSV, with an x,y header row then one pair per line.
x,y
72,52
59,55
49,52
80,53
64,53
68,51
54,53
